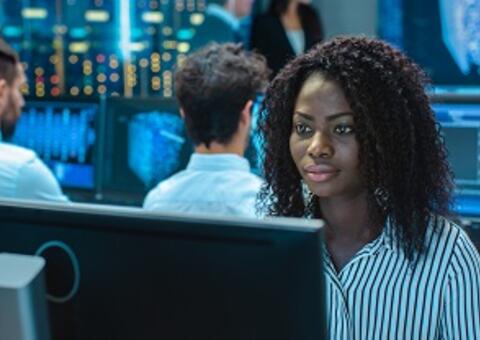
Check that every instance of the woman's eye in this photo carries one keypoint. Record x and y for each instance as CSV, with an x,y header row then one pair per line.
x,y
343,129
302,129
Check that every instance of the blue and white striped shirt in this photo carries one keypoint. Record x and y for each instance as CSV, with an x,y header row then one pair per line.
x,y
379,294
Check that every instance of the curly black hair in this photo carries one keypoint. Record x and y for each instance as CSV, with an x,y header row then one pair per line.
x,y
401,150
213,85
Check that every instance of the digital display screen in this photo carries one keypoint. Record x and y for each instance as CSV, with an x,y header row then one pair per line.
x,y
63,135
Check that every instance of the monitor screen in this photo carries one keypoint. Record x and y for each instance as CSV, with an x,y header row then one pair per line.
x,y
63,134
460,125
123,273
441,35
146,142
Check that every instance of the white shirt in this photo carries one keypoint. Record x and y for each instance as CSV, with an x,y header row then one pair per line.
x,y
24,176
297,40
219,184
379,294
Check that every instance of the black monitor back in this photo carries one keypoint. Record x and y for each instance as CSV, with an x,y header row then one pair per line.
x,y
116,273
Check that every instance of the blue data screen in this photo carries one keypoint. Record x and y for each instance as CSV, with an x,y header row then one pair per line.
x,y
460,127
155,141
63,136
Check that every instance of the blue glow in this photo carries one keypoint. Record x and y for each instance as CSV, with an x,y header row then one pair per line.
x,y
125,28
12,31
78,33
136,33
73,175
185,34
155,140
63,136
467,205
390,26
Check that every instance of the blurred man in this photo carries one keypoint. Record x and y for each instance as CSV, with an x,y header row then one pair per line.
x,y
215,88
225,21
22,174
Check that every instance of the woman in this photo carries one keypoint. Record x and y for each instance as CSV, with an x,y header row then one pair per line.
x,y
288,29
351,122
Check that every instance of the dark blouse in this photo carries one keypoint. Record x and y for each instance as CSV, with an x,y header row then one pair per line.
x,y
268,36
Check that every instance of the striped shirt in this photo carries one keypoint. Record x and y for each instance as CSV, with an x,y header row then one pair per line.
x,y
379,294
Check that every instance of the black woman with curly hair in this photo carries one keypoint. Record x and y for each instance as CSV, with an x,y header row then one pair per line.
x,y
351,139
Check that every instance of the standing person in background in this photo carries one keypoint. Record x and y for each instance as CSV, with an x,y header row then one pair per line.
x,y
215,88
288,29
22,174
225,21
350,120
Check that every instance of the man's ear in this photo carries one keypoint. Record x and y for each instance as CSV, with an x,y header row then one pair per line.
x,y
3,87
246,115
182,113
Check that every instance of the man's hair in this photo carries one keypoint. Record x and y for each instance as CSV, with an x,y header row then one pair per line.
x,y
8,62
213,85
401,150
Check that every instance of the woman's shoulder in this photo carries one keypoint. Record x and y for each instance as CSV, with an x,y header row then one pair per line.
x,y
450,241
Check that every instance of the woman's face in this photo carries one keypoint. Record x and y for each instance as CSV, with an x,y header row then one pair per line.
x,y
322,142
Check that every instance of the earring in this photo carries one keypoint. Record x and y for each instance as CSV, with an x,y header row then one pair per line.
x,y
306,193
308,200
382,197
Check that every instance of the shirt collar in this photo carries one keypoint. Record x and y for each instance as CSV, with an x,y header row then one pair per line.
x,y
218,162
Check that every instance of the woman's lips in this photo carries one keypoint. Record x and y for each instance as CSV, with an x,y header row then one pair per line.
x,y
320,173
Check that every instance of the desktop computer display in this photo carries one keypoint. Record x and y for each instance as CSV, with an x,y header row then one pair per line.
x,y
145,142
123,273
460,125
441,35
155,141
63,134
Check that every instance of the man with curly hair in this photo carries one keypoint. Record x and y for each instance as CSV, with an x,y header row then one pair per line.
x,y
22,174
215,88
350,121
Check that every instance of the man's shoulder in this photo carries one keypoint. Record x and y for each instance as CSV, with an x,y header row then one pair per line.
x,y
14,154
166,187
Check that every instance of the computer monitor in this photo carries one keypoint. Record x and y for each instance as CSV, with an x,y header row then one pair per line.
x,y
440,35
63,133
146,142
123,273
459,117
